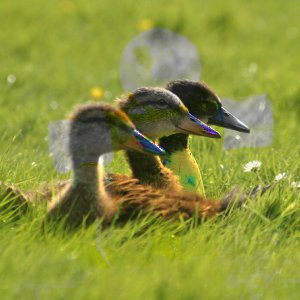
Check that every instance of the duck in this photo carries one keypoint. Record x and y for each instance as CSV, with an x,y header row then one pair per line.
x,y
95,129
154,118
153,187
204,104
100,128
157,112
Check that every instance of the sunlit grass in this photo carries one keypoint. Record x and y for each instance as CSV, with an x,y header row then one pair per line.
x,y
57,54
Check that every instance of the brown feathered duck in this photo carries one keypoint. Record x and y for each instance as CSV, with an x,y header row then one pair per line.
x,y
203,103
164,114
158,113
95,130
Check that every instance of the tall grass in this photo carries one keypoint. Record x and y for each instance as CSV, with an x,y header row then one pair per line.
x,y
58,51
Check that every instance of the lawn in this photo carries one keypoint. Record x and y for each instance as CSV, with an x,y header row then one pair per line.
x,y
54,54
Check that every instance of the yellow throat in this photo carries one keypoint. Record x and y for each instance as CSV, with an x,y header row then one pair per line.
x,y
184,165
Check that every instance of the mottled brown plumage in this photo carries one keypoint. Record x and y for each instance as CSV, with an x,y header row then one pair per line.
x,y
134,198
156,112
156,189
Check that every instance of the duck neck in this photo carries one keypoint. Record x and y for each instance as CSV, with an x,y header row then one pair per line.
x,y
87,182
89,177
150,170
182,162
87,174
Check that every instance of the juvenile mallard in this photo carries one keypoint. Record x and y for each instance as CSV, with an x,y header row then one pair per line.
x,y
161,113
157,112
95,129
205,105
154,187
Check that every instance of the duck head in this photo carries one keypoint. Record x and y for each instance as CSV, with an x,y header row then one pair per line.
x,y
100,128
205,104
157,112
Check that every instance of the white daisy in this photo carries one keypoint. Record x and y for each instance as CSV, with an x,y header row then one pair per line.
x,y
295,184
280,176
252,166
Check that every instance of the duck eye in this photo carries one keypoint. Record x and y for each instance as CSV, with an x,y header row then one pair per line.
x,y
161,104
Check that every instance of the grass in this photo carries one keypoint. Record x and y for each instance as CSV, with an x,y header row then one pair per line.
x,y
60,50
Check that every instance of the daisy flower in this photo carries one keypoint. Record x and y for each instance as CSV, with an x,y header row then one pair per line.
x,y
252,166
295,184
280,176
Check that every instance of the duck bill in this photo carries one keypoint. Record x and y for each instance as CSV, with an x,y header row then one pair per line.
x,y
138,142
192,125
224,118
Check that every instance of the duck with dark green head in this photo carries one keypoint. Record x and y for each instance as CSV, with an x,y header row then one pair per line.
x,y
204,104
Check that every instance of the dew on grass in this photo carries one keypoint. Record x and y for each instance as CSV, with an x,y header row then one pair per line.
x,y
54,105
11,79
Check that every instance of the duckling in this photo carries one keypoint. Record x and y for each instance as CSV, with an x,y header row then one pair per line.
x,y
95,129
205,105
